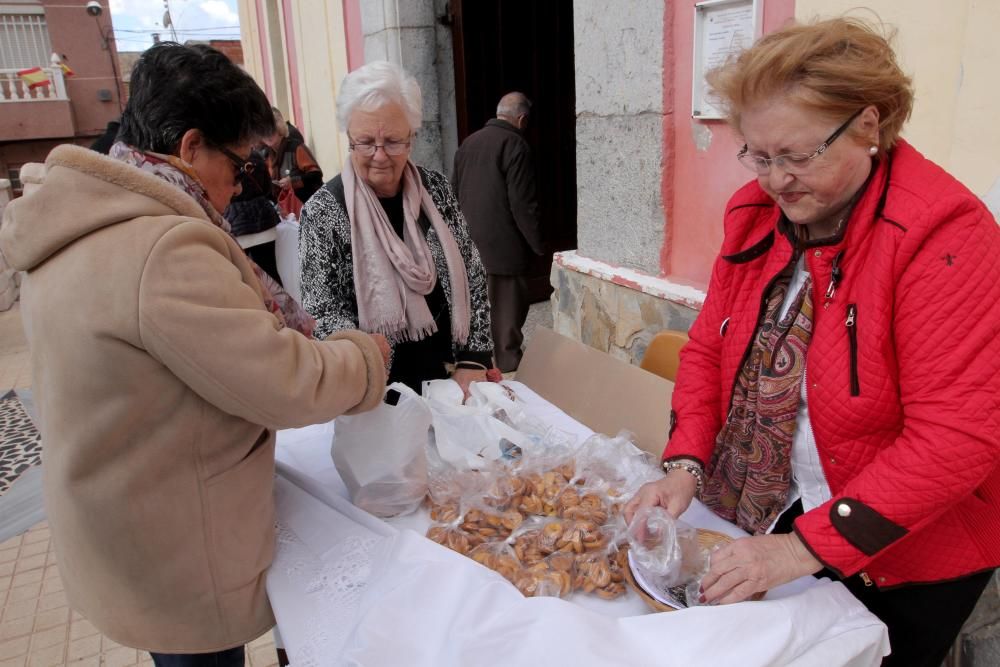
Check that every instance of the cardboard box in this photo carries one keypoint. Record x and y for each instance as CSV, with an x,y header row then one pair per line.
x,y
604,393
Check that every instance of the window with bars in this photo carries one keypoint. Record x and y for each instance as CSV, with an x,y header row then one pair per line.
x,y
24,41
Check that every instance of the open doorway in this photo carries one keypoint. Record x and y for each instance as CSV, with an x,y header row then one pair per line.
x,y
505,45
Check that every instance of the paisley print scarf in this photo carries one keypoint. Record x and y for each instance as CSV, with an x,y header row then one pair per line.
x,y
750,473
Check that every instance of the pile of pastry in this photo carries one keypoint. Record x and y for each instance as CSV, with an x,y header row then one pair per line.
x,y
548,531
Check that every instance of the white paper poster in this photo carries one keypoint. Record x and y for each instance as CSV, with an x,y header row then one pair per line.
x,y
722,28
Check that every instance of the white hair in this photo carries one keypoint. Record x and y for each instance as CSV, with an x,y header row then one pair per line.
x,y
375,85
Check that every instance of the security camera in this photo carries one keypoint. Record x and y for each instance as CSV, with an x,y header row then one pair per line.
x,y
94,8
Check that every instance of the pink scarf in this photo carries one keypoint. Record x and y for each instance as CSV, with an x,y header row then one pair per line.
x,y
392,275
182,175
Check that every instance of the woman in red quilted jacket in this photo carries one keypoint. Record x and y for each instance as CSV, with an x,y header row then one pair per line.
x,y
838,399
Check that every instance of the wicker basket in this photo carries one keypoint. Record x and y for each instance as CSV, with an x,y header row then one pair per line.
x,y
707,539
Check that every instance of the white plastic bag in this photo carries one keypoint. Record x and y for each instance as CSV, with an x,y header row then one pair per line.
x,y
381,454
286,251
468,437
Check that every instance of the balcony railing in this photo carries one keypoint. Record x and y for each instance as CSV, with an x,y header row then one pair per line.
x,y
14,89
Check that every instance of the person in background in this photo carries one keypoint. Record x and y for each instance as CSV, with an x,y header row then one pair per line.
x,y
293,132
253,215
294,171
840,393
495,181
162,366
384,245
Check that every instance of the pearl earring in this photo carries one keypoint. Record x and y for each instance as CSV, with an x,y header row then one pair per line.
x,y
873,150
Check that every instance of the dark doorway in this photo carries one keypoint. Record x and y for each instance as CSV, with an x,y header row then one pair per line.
x,y
526,45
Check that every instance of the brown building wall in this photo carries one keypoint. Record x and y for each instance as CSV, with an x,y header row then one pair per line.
x,y
31,129
79,38
232,48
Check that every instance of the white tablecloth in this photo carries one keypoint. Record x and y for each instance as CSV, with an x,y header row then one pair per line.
x,y
350,589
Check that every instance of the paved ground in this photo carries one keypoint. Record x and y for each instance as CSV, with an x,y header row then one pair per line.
x,y
539,315
37,627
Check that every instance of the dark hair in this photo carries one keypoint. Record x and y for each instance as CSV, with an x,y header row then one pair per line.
x,y
177,88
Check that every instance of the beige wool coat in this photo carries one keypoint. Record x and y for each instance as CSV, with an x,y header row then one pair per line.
x,y
160,380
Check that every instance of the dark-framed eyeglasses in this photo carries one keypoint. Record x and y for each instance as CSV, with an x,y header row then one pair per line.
x,y
791,163
243,165
391,148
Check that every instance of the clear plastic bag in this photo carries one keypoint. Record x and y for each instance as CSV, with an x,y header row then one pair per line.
x,y
665,550
453,537
381,454
550,520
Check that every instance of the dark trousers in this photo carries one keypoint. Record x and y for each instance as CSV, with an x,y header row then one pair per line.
x,y
923,619
233,657
508,311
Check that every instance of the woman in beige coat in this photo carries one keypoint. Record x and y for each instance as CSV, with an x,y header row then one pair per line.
x,y
163,361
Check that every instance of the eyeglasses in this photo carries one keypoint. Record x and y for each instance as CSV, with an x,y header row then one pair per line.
x,y
791,163
392,148
243,165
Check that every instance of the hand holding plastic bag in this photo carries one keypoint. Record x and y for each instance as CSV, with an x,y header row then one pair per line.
x,y
666,550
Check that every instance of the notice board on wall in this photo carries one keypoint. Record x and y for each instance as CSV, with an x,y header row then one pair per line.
x,y
722,28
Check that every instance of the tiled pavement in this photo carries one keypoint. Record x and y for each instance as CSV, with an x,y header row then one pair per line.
x,y
14,370
37,627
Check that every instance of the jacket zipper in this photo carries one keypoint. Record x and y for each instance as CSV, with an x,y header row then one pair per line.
x,y
852,337
865,578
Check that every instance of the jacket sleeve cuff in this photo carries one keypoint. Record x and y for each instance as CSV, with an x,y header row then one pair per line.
x,y
845,533
373,361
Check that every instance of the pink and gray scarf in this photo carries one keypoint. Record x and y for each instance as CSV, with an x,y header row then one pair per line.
x,y
392,275
179,173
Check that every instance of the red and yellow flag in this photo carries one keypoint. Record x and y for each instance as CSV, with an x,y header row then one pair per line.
x,y
34,77
66,69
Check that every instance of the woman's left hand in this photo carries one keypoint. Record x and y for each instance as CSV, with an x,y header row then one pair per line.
x,y
756,564
466,376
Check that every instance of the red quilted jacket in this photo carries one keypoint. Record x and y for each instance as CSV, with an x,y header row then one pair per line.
x,y
903,370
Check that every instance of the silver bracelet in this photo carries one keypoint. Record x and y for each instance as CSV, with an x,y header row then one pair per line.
x,y
689,466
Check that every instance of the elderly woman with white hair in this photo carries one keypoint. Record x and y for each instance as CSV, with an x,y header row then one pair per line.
x,y
384,245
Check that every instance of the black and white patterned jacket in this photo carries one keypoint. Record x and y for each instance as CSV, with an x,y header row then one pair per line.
x,y
328,274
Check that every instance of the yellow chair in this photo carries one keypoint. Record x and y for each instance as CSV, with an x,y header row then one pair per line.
x,y
663,354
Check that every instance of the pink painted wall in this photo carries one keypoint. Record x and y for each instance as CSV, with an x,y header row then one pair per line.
x,y
697,183
353,35
293,65
265,46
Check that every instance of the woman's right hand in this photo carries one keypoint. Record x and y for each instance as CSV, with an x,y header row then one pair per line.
x,y
673,493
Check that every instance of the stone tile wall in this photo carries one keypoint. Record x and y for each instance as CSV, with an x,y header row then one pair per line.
x,y
619,132
612,318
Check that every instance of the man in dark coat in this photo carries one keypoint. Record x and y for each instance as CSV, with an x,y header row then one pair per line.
x,y
495,182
